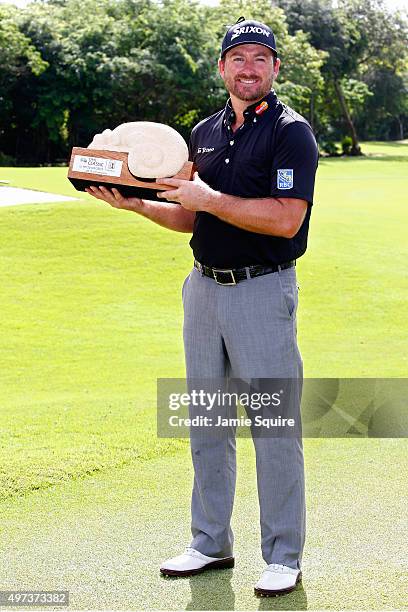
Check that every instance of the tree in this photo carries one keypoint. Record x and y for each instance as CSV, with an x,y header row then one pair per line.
x,y
111,62
72,68
356,34
387,108
18,60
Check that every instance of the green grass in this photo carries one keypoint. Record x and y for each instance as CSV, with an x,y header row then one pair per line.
x,y
91,313
353,278
91,316
104,538
53,180
84,335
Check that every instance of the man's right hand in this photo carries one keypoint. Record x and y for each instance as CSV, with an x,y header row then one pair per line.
x,y
115,198
167,214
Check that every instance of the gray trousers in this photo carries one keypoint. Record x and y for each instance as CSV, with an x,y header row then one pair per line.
x,y
245,331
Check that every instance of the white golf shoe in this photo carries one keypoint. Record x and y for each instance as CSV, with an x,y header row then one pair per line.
x,y
193,562
277,580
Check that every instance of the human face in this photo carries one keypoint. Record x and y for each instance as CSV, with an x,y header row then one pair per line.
x,y
248,71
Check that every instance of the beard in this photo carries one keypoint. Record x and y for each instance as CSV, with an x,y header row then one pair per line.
x,y
247,93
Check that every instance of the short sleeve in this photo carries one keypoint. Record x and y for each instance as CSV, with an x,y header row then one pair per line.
x,y
294,162
191,146
190,149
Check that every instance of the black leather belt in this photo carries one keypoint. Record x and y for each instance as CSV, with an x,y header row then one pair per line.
x,y
234,276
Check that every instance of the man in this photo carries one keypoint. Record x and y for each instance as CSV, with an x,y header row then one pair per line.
x,y
248,207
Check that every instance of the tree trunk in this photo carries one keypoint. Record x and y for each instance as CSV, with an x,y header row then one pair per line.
x,y
355,149
312,112
401,128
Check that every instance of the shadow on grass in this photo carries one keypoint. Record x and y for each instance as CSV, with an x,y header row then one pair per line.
x,y
213,591
389,143
376,151
297,600
369,157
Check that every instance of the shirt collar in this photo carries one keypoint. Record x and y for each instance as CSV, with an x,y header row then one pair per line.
x,y
253,110
229,114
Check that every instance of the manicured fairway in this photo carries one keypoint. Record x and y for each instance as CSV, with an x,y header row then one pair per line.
x,y
104,538
91,316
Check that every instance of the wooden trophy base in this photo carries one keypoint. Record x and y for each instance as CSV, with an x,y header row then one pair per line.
x,y
110,168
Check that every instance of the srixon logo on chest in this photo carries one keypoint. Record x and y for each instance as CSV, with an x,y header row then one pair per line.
x,y
205,149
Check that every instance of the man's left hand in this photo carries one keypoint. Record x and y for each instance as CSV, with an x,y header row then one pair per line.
x,y
192,195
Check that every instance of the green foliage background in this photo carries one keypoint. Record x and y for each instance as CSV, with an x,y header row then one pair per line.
x,y
71,68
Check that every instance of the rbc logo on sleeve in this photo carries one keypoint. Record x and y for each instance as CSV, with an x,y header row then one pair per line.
x,y
285,178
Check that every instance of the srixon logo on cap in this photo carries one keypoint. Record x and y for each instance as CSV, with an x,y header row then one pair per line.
x,y
249,30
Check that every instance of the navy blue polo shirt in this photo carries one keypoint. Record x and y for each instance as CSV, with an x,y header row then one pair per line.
x,y
273,154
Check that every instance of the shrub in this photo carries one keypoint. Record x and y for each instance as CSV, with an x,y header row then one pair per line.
x,y
7,160
346,145
330,148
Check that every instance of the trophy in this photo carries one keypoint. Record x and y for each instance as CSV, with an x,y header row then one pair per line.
x,y
131,157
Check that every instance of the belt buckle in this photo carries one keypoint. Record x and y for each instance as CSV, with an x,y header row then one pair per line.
x,y
215,271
